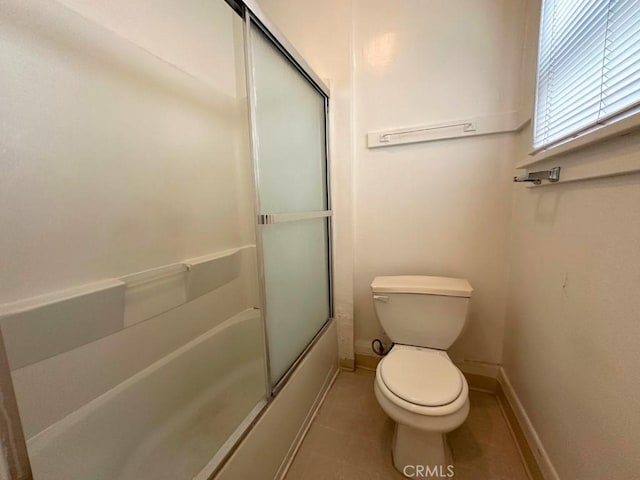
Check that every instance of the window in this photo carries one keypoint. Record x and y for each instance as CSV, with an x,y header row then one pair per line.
x,y
588,67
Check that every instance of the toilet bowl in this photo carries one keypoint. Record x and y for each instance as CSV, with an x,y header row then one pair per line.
x,y
427,396
416,383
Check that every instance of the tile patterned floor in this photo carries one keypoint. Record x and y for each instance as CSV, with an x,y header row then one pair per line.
x,y
350,439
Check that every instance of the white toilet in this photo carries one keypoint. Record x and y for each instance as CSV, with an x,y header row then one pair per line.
x,y
416,383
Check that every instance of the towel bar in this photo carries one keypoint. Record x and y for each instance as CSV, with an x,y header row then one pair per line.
x,y
536,178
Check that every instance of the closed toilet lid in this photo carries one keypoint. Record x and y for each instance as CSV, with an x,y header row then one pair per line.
x,y
421,377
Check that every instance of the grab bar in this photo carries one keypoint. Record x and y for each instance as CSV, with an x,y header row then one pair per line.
x,y
536,178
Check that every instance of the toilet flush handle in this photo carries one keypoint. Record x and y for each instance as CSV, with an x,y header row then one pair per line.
x,y
381,298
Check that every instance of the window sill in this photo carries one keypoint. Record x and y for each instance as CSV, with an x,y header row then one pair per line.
x,y
595,135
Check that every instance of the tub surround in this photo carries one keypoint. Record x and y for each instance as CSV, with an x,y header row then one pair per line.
x,y
144,431
135,348
284,423
37,328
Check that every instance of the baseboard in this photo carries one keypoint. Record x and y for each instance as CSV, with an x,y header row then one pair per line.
x,y
474,367
367,362
348,364
480,383
480,376
534,455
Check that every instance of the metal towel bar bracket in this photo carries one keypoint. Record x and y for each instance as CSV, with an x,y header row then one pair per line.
x,y
536,178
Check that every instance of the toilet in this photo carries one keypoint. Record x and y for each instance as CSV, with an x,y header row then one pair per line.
x,y
416,383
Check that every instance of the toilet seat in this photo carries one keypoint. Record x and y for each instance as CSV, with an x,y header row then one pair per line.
x,y
421,376
458,393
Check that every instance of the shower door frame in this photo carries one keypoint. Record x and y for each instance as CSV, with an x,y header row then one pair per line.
x,y
254,17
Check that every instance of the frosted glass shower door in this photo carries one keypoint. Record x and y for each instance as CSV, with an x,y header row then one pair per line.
x,y
289,122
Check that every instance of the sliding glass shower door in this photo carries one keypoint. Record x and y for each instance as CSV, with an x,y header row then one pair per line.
x,y
290,156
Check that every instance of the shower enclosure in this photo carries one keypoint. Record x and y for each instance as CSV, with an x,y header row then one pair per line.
x,y
288,113
166,214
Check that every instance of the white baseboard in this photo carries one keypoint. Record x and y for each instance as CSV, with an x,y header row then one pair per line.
x,y
537,448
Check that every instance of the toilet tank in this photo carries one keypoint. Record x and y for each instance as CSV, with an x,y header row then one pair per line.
x,y
421,310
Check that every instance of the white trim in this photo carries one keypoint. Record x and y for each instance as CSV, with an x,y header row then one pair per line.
x,y
612,171
594,135
597,162
537,448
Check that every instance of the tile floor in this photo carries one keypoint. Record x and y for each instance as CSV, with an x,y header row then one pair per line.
x,y
350,439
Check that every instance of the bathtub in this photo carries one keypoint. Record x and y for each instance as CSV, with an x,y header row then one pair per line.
x,y
167,421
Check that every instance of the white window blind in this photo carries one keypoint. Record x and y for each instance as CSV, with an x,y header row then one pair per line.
x,y
588,66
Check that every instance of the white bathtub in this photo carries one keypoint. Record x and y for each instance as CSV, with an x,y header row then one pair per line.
x,y
168,420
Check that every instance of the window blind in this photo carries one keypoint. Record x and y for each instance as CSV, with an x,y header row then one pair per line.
x,y
588,66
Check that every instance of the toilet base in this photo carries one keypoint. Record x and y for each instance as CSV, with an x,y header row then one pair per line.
x,y
415,451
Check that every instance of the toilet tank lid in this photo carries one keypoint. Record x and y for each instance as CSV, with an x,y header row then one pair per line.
x,y
421,284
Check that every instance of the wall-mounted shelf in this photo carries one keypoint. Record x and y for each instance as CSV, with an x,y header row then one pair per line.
x,y
151,292
212,271
467,127
37,328
40,327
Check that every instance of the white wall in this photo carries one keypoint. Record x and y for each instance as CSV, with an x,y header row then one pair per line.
x,y
439,208
198,40
118,156
379,57
321,32
573,320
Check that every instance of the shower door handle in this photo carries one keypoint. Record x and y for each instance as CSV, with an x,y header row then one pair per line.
x,y
271,218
